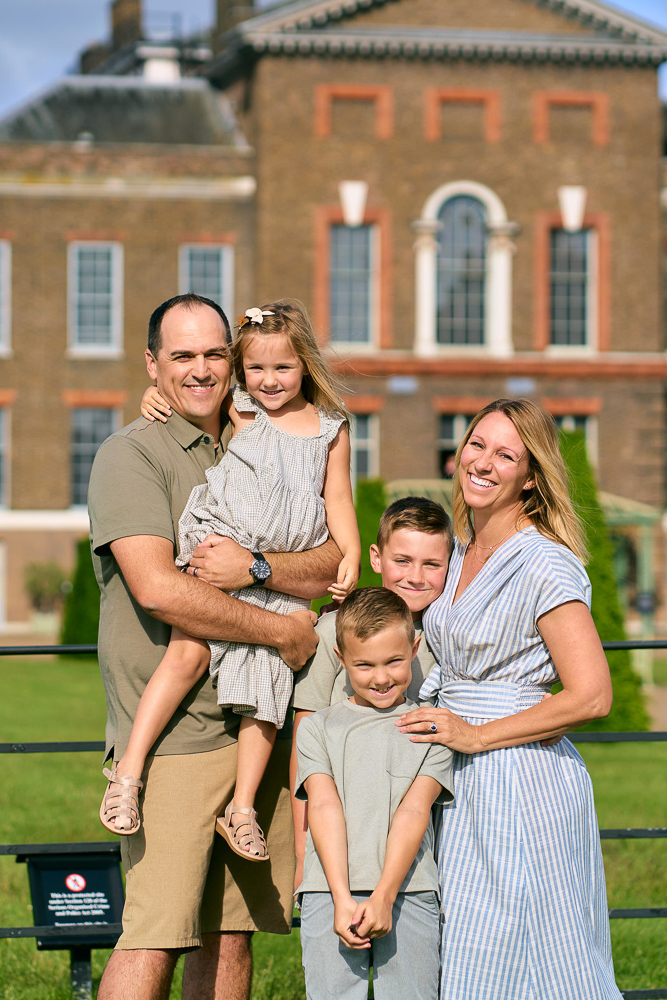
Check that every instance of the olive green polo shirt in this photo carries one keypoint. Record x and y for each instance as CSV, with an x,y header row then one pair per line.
x,y
141,480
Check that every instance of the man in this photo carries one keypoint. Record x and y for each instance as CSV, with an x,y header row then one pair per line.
x,y
185,890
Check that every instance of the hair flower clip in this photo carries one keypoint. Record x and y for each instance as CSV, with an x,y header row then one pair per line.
x,y
256,315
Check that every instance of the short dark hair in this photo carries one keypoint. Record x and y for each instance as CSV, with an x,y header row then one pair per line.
x,y
190,301
415,514
370,610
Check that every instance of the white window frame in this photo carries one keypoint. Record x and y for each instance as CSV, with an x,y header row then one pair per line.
x,y
116,423
6,455
498,293
373,443
114,349
226,272
374,294
592,304
5,299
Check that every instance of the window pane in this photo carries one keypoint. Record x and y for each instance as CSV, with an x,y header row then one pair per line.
x,y
569,287
205,272
447,429
3,457
4,292
461,271
363,441
89,429
351,284
94,295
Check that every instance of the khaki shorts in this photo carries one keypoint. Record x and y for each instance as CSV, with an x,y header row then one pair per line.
x,y
182,878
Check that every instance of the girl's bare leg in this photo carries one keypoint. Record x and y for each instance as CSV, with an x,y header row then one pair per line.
x,y
256,739
184,662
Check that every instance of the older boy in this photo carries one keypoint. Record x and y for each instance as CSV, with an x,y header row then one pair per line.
x,y
369,876
412,553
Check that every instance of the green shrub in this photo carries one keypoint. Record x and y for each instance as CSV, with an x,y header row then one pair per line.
x,y
370,503
628,711
44,585
81,615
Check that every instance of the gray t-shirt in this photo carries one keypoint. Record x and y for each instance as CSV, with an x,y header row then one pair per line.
x,y
323,681
373,765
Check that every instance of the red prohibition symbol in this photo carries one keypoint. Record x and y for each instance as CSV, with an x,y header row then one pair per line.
x,y
75,883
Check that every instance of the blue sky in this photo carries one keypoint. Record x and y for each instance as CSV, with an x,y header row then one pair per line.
x,y
40,39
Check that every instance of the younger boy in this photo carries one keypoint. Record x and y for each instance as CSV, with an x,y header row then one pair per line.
x,y
369,875
414,543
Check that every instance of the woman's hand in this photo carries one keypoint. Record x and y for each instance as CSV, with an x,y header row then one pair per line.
x,y
450,730
153,405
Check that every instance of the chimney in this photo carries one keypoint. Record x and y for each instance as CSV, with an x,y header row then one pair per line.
x,y
231,12
126,23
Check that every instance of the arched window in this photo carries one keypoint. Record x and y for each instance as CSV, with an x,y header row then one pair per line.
x,y
461,271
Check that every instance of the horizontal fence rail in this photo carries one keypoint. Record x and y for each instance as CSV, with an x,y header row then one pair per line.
x,y
97,935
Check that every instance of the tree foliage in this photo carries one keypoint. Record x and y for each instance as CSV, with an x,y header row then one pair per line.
x,y
628,711
81,615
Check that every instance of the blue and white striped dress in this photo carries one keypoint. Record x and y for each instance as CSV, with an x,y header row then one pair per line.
x,y
523,887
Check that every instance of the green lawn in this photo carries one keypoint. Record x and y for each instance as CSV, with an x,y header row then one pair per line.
x,y
54,797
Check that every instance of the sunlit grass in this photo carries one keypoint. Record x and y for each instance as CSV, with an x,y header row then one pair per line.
x,y
55,797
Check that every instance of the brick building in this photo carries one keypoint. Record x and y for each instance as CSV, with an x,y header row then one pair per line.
x,y
466,197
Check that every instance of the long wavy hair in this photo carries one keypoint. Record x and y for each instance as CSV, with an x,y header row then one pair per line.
x,y
547,505
320,385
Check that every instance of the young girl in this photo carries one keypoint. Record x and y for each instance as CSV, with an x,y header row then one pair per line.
x,y
282,486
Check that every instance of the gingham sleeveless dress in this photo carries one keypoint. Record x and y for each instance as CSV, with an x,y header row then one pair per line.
x,y
266,494
523,886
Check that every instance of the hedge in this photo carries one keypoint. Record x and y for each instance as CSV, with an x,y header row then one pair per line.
x,y
628,711
81,614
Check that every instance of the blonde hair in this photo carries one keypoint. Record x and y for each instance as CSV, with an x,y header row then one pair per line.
x,y
547,505
370,610
320,386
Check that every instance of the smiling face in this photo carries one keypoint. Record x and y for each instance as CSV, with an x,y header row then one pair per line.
x,y
193,366
273,373
414,565
493,471
380,667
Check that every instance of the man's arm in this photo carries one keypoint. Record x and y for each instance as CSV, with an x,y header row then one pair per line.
x,y
147,565
226,566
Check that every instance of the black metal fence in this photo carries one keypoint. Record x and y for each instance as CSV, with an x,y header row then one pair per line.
x,y
106,935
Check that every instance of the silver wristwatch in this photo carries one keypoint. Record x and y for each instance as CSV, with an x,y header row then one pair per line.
x,y
260,570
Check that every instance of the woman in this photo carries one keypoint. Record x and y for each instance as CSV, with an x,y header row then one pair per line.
x,y
520,864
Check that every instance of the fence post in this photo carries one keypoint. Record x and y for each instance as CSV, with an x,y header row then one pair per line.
x,y
81,973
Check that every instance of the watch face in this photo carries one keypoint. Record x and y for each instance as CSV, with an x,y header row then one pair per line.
x,y
260,570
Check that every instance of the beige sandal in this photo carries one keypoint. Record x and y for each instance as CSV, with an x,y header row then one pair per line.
x,y
245,834
119,811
